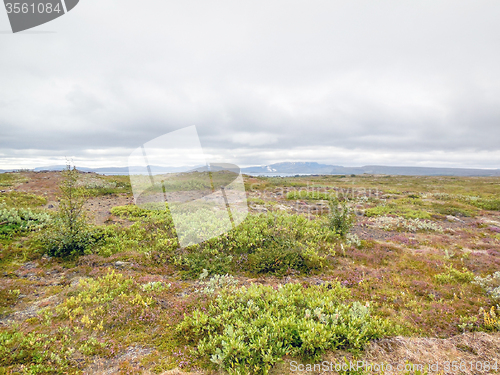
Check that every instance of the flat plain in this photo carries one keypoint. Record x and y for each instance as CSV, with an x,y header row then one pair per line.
x,y
405,274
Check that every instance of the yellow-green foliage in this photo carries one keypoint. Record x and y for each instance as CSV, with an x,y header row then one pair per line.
x,y
454,208
106,185
94,310
9,179
255,200
452,275
392,209
248,330
21,220
131,212
100,290
93,295
305,194
272,243
38,353
22,199
491,318
492,204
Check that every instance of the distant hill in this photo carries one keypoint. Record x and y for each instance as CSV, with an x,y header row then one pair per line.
x,y
289,167
316,168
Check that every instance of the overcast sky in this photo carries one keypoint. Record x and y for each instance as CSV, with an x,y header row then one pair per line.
x,y
340,82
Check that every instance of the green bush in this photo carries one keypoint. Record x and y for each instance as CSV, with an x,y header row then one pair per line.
x,y
491,284
454,209
404,212
452,275
9,179
70,234
130,211
341,217
22,199
19,220
248,330
273,243
486,204
35,353
101,186
276,243
304,194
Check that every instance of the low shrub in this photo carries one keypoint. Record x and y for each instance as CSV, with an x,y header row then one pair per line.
x,y
17,220
21,199
35,353
305,194
491,318
407,225
491,284
100,186
452,275
131,211
215,283
341,217
454,209
248,330
486,204
275,243
404,212
9,179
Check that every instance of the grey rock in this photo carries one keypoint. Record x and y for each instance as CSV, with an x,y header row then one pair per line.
x,y
121,264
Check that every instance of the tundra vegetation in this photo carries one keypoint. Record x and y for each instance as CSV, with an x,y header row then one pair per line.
x,y
321,265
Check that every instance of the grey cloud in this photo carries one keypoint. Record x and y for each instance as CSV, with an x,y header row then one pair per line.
x,y
378,78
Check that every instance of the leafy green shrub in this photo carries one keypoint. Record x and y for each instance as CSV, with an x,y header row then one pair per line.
x,y
130,211
9,179
148,236
155,286
407,225
215,283
486,204
97,186
195,259
22,199
404,212
265,261
452,275
341,217
276,243
36,353
270,243
454,209
378,211
14,220
305,194
491,284
248,330
256,200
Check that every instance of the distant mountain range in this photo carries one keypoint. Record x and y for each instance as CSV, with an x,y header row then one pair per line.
x,y
316,168
300,168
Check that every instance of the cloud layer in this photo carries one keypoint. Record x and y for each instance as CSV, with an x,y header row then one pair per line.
x,y
348,83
